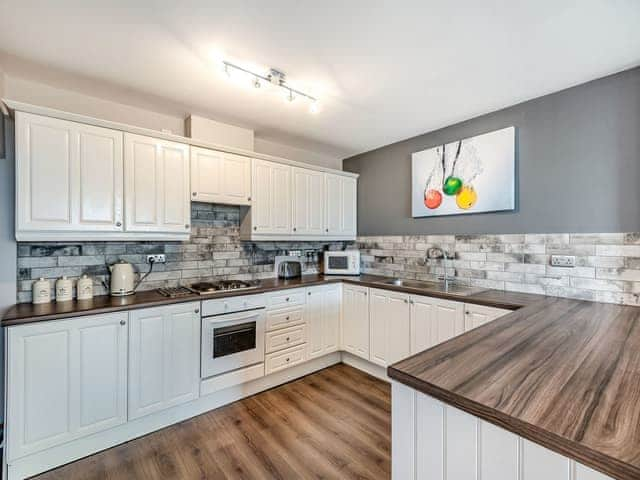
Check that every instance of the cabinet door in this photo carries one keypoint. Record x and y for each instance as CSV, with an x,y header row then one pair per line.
x,y
164,357
341,205
331,302
434,321
308,202
271,198
69,176
219,177
313,318
476,315
156,185
67,379
355,320
390,327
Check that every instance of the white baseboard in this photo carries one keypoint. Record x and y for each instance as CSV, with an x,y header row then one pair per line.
x,y
366,366
59,455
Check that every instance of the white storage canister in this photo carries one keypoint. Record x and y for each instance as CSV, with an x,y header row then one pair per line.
x,y
85,288
41,291
64,289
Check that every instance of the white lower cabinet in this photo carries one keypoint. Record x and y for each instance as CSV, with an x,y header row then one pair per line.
x,y
322,314
67,378
434,321
164,357
355,320
435,441
390,324
476,315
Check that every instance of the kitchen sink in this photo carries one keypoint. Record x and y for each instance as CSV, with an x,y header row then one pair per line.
x,y
452,289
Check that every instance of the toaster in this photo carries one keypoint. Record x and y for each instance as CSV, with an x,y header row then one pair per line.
x,y
288,266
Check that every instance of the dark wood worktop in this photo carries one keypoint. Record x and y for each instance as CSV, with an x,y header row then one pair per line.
x,y
27,313
562,373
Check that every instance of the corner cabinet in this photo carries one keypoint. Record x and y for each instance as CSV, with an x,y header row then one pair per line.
x,y
156,185
220,177
390,324
295,203
68,379
341,206
69,179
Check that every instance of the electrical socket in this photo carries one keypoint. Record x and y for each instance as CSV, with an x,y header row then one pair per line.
x,y
157,258
563,260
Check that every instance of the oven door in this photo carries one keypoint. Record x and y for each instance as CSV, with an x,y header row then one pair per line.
x,y
232,341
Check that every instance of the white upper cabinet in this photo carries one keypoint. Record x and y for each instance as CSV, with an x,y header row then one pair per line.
x,y
69,178
156,185
308,202
68,379
341,206
271,198
219,177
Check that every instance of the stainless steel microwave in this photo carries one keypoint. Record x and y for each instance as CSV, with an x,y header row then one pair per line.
x,y
346,262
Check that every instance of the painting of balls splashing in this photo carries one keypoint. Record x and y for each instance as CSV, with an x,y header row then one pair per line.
x,y
473,175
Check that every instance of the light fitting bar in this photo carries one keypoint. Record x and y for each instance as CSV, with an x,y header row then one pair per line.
x,y
274,77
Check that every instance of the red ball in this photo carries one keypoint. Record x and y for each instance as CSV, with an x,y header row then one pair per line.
x,y
432,199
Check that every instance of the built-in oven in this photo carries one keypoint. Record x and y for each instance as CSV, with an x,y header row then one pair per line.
x,y
232,335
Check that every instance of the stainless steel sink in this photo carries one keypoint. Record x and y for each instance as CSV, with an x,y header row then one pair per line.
x,y
452,289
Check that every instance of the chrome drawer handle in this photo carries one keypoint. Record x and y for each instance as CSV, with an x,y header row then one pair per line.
x,y
122,322
288,339
287,359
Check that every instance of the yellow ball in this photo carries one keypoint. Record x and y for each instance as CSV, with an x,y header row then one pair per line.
x,y
466,197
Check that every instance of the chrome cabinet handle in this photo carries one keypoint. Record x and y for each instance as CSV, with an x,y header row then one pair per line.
x,y
118,224
122,322
287,318
288,339
287,299
197,310
287,359
255,228
194,194
248,199
186,226
295,229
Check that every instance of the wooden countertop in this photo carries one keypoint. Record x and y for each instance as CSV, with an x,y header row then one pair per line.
x,y
28,313
562,373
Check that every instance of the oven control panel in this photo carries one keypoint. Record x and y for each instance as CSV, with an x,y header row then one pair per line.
x,y
220,306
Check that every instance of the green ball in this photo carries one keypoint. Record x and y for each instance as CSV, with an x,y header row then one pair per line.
x,y
452,185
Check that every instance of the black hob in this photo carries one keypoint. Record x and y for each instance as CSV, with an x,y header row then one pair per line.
x,y
203,288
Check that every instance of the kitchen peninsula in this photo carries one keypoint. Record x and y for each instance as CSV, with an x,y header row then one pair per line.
x,y
561,373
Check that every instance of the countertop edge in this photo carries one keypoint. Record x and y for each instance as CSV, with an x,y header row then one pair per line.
x,y
576,451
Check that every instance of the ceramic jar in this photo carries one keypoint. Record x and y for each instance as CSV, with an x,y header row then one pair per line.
x,y
64,290
84,288
41,291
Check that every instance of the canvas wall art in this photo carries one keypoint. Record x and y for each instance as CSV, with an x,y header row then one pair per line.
x,y
473,175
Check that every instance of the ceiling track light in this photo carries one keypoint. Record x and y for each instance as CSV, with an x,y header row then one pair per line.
x,y
276,78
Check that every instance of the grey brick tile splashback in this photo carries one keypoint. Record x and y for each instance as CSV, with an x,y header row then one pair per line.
x,y
607,264
213,252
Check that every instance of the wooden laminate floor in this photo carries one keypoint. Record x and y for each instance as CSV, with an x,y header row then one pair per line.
x,y
333,424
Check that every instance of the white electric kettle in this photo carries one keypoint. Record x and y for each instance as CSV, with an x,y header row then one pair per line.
x,y
122,279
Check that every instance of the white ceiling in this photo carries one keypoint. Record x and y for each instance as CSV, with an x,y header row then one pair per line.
x,y
384,70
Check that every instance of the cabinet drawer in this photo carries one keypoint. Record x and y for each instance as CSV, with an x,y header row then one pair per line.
x,y
287,337
231,304
284,318
274,362
286,298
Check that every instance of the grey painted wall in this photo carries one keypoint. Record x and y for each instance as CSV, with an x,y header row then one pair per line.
x,y
578,162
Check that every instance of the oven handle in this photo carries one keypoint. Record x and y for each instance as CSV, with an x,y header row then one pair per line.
x,y
233,317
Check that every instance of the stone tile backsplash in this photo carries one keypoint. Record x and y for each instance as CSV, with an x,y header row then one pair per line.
x,y
214,251
607,264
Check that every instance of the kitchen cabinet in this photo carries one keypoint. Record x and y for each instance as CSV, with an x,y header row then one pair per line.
x,y
433,321
156,185
341,206
271,198
390,325
220,177
164,357
355,320
322,315
308,202
69,179
476,315
68,379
